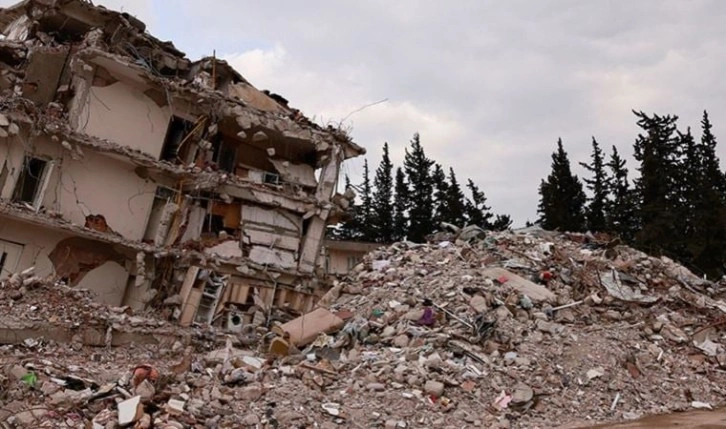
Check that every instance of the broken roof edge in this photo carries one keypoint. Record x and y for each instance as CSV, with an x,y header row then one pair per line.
x,y
202,96
104,15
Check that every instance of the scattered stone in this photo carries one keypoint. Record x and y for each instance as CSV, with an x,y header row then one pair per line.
x,y
145,390
130,411
701,405
595,373
434,388
401,341
376,387
522,394
478,303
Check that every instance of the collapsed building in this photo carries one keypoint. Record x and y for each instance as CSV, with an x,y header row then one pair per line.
x,y
150,179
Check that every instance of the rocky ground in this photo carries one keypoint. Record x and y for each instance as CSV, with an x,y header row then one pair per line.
x,y
530,329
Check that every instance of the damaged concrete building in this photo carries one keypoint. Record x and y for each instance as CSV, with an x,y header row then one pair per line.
x,y
153,180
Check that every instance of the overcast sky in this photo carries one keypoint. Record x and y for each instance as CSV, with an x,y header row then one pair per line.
x,y
489,85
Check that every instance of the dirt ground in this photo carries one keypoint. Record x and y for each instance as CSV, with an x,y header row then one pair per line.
x,y
694,420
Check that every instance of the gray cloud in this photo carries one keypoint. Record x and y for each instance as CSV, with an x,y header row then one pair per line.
x,y
490,85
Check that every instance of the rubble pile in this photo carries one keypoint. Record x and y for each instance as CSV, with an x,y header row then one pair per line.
x,y
525,329
34,308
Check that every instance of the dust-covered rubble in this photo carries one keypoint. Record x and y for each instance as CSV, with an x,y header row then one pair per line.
x,y
525,329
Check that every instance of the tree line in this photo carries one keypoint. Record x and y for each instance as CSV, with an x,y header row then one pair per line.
x,y
676,207
413,203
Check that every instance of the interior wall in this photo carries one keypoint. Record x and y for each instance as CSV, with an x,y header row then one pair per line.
x,y
97,184
122,114
11,155
108,281
338,260
37,244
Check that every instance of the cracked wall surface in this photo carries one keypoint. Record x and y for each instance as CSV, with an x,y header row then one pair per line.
x,y
155,180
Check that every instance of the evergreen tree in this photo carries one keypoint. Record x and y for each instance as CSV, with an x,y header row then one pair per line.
x,y
365,214
707,243
597,184
418,171
441,192
562,199
501,223
383,200
711,164
658,186
689,186
477,212
455,201
620,210
400,205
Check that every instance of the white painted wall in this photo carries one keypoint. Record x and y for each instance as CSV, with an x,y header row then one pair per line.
x,y
122,114
101,185
108,281
95,184
37,244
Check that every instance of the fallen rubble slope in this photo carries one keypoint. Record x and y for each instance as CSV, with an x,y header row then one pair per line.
x,y
526,329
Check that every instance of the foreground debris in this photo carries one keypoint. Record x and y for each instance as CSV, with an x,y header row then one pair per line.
x,y
432,335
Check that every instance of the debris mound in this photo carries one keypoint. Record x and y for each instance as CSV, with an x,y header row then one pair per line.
x,y
516,329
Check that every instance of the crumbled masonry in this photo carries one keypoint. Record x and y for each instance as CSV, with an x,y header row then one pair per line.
x,y
163,265
608,334
145,177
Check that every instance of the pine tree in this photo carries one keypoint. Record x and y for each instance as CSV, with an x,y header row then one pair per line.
x,y
620,210
455,201
501,223
477,212
562,199
366,220
418,171
400,205
382,200
689,186
441,192
658,186
707,243
711,163
598,187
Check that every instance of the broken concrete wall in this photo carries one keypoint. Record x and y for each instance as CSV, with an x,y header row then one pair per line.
x,y
82,183
310,251
108,282
75,257
11,156
43,76
37,243
340,262
97,184
237,180
121,113
272,237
